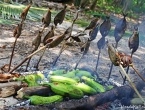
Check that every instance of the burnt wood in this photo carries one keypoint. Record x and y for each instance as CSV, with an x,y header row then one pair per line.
x,y
37,90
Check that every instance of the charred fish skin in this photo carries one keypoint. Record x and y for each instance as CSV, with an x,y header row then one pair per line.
x,y
120,28
105,27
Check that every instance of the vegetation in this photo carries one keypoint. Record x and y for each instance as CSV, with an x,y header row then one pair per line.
x,y
9,13
132,7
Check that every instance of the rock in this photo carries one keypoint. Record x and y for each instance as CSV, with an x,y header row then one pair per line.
x,y
7,102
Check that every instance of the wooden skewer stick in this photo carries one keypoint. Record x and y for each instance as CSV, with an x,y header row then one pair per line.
x,y
40,58
12,54
98,60
112,64
29,56
131,83
61,50
137,72
34,51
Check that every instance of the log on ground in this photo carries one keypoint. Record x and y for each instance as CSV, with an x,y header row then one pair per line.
x,y
37,90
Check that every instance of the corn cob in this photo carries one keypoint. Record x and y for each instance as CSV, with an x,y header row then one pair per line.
x,y
62,79
85,88
98,87
37,100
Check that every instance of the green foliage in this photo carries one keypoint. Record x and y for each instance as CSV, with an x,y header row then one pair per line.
x,y
127,33
81,22
104,6
11,12
5,21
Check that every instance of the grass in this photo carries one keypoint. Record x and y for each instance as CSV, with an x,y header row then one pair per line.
x,y
126,35
9,13
81,23
6,21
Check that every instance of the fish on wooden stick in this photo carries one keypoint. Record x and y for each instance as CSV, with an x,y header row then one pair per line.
x,y
46,19
51,42
118,34
133,44
17,31
58,19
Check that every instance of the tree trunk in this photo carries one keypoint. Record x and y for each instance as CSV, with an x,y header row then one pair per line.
x,y
126,5
29,91
93,5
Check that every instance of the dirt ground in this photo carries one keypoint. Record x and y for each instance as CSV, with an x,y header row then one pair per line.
x,y
71,55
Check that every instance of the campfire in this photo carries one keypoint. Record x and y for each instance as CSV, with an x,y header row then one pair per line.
x,y
75,89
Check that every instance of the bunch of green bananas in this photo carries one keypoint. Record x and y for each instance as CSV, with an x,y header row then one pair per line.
x,y
70,87
61,82
64,84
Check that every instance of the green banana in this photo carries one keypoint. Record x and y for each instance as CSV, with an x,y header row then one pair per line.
x,y
109,87
75,92
65,90
62,79
58,72
76,78
31,79
70,74
98,87
85,88
81,73
37,100
58,88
